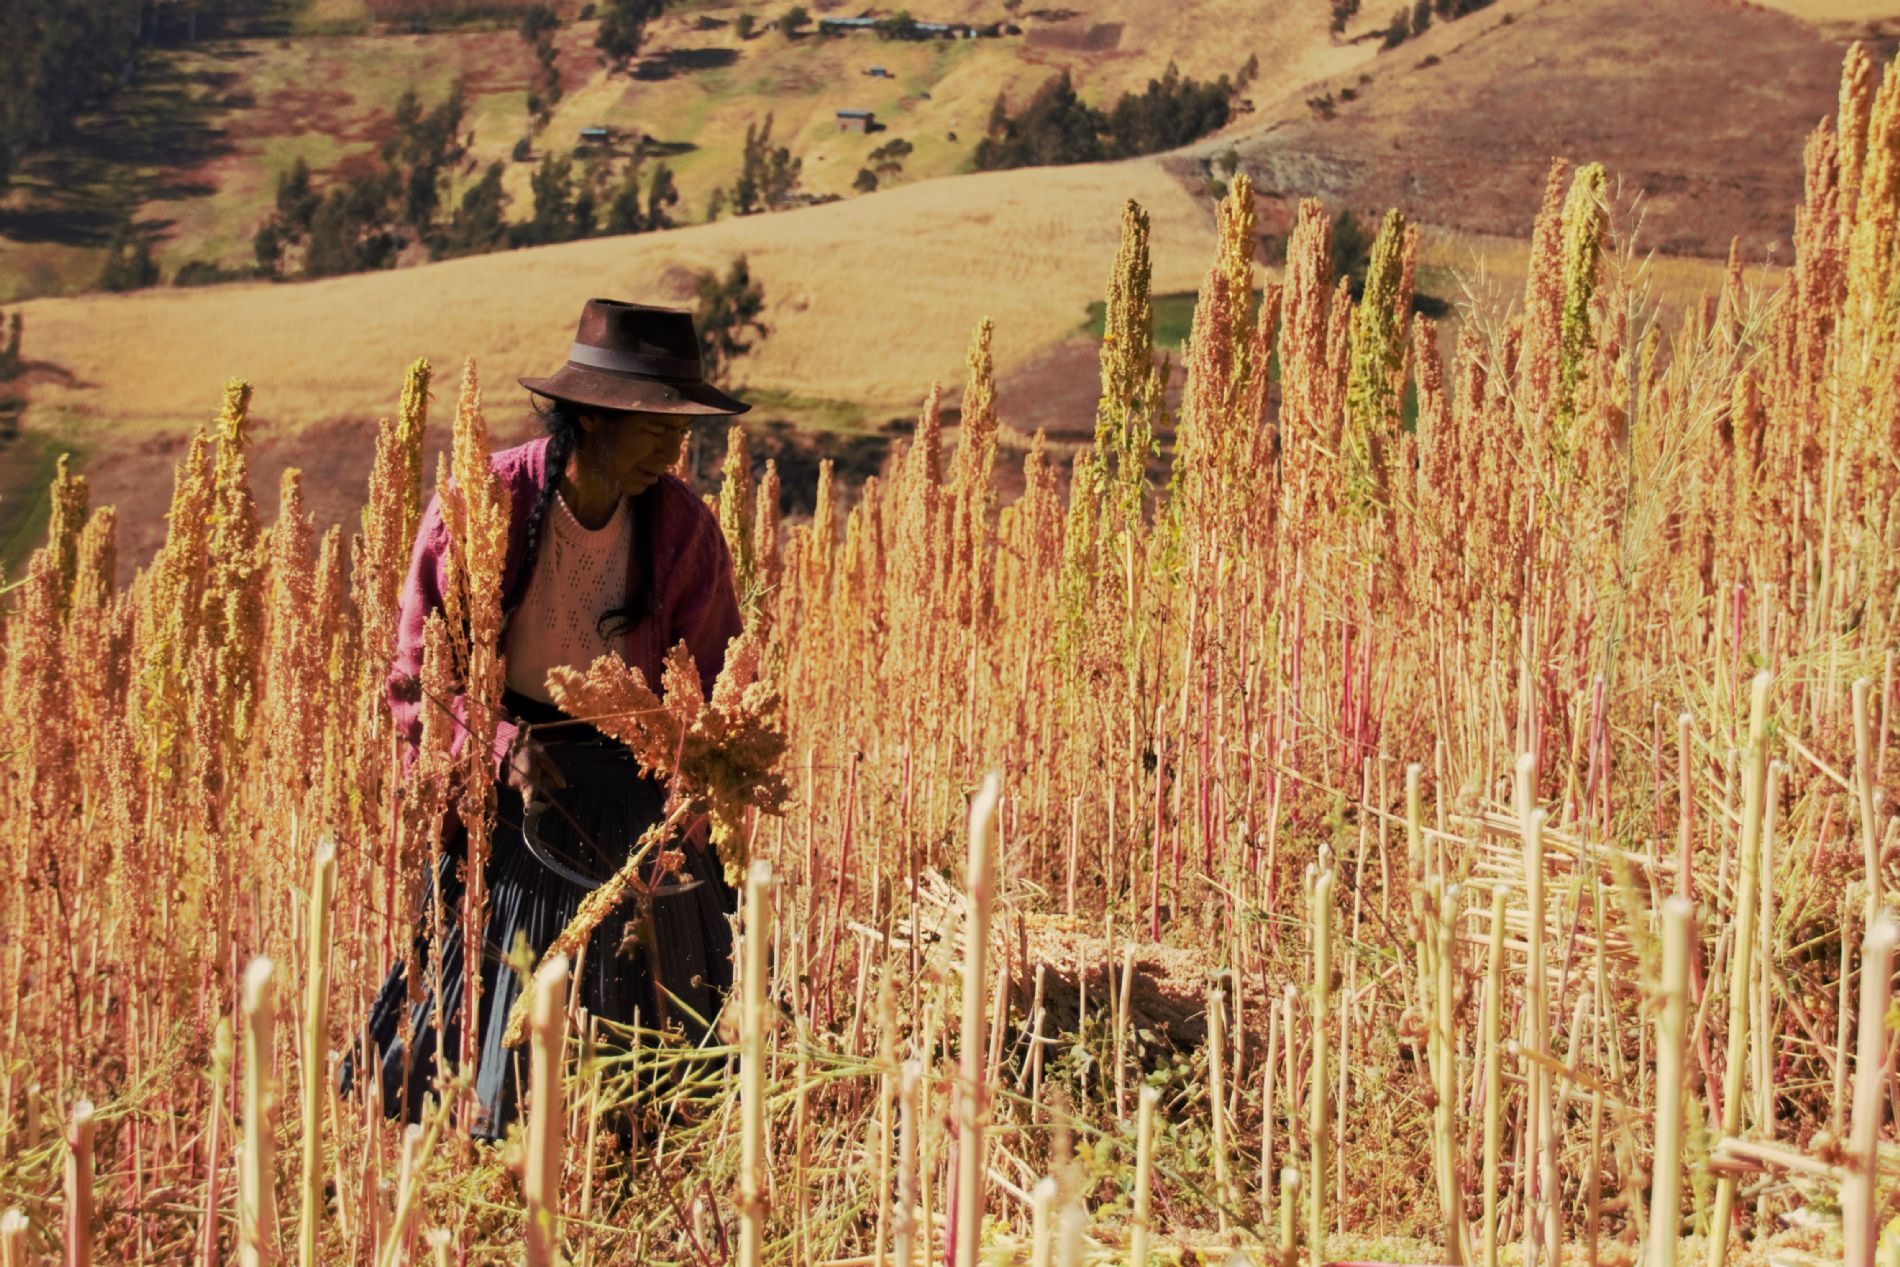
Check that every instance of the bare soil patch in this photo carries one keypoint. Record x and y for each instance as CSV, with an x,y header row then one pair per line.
x,y
1701,106
1096,37
301,108
1056,390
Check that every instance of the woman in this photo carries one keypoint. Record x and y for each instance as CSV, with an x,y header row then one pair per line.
x,y
606,552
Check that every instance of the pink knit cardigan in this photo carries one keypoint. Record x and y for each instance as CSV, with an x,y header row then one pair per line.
x,y
693,597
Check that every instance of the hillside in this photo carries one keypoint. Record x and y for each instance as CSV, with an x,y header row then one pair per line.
x,y
1701,105
191,154
873,297
868,300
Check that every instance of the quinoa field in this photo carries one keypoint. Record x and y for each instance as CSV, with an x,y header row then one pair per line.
x,y
1439,818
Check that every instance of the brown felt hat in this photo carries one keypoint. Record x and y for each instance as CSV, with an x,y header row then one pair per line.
x,y
635,356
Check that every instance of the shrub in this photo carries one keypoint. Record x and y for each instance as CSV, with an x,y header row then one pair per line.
x,y
1056,126
623,31
129,264
209,273
11,361
728,311
1397,30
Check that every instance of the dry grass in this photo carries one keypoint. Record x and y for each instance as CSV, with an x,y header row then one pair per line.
x,y
869,300
1837,13
1612,624
1703,104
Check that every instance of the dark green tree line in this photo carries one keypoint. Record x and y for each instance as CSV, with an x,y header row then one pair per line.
x,y
1057,126
365,221
59,58
623,25
537,29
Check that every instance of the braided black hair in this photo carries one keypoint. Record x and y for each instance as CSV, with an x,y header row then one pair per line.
x,y
562,420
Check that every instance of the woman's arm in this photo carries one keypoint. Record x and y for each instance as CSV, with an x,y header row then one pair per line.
x,y
422,594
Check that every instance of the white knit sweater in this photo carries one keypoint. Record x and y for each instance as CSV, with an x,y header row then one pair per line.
x,y
579,573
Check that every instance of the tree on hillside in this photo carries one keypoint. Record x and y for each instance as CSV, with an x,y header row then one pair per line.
x,y
998,125
1397,29
796,19
745,26
662,196
1171,112
296,201
538,20
537,29
59,58
364,222
591,194
1055,127
622,30
11,361
728,310
129,264
767,172
352,230
624,213
553,218
866,182
887,160
267,244
423,148
481,222
1343,10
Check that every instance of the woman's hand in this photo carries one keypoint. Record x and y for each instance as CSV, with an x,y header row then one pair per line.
x,y
530,770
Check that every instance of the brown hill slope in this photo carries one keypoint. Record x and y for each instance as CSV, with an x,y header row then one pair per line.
x,y
1703,105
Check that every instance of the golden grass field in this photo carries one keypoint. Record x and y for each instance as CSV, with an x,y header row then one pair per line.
x,y
868,300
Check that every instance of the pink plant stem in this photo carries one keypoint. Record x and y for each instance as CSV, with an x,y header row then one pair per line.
x,y
1346,758
393,785
1154,869
1203,820
1299,630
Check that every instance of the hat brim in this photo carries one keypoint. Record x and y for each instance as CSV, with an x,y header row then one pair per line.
x,y
582,386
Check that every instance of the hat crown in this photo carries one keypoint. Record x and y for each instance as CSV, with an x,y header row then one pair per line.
x,y
635,357
639,332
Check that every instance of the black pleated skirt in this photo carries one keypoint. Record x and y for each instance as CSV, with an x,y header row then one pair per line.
x,y
535,885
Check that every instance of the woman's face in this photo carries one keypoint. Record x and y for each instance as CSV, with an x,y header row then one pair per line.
x,y
633,449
